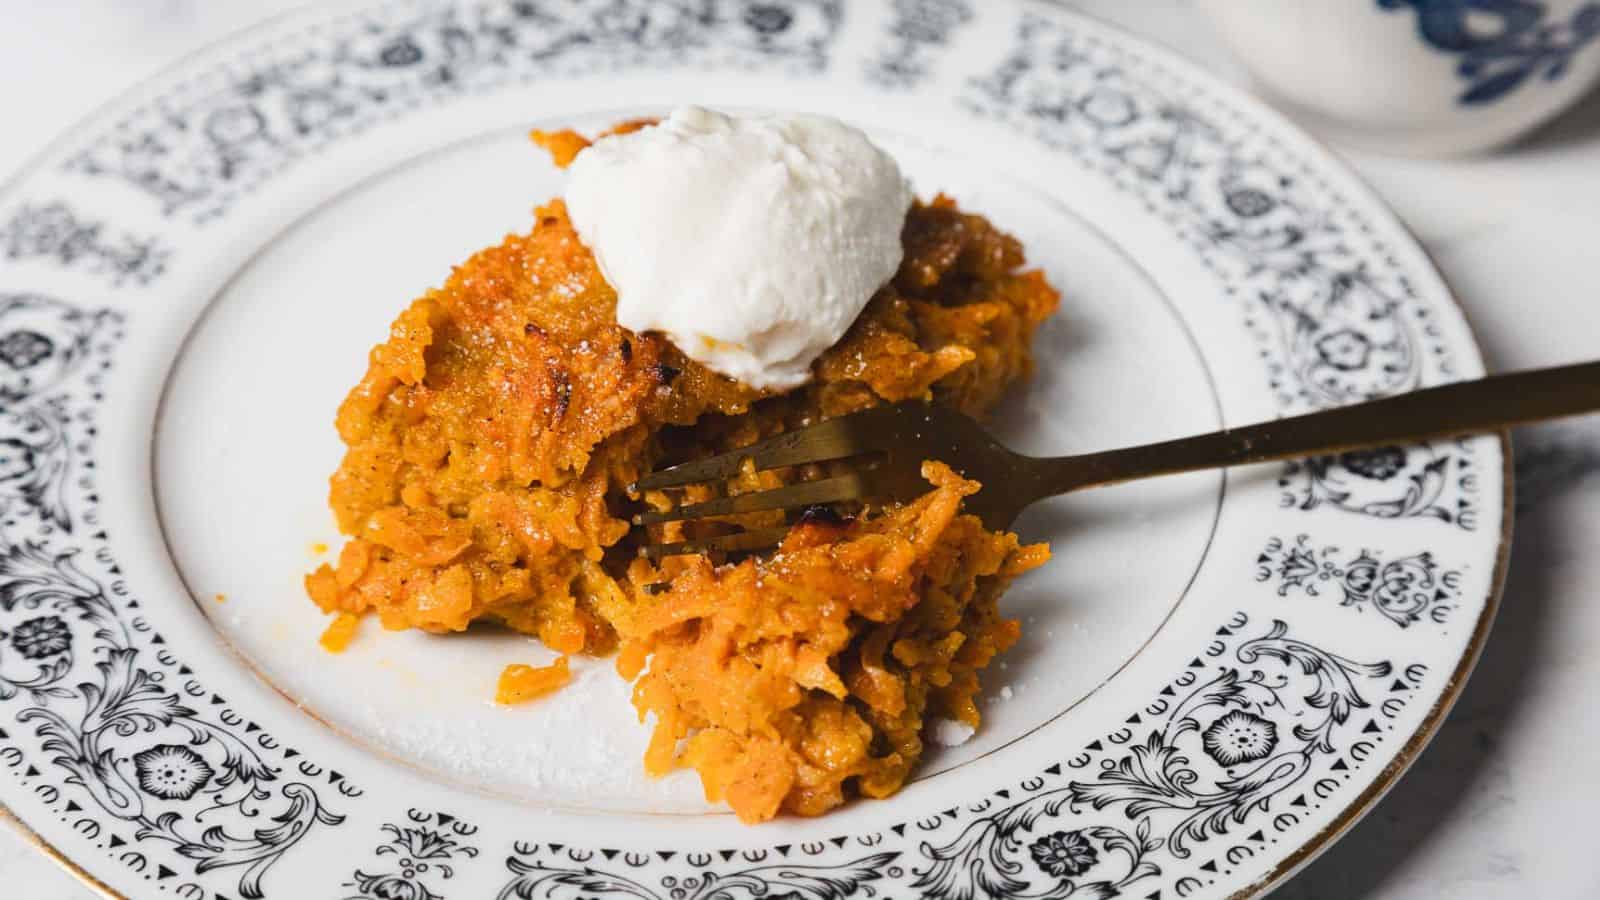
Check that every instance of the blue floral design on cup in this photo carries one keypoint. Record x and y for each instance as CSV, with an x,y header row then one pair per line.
x,y
1501,43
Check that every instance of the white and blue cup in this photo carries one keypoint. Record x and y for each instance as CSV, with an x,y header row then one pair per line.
x,y
1426,77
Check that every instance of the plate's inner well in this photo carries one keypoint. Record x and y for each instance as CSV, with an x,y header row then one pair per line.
x,y
245,443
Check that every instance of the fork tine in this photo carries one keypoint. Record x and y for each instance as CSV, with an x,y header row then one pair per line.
x,y
742,542
829,490
824,441
712,468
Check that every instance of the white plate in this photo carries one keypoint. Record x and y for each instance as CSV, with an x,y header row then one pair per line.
x,y
1218,675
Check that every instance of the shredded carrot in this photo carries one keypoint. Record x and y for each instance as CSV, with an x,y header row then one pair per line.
x,y
339,632
632,659
520,683
490,450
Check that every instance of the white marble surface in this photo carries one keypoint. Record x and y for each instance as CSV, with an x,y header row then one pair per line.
x,y
1504,802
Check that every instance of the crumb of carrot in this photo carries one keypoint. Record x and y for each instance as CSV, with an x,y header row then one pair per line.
x,y
630,662
221,598
563,146
520,683
319,548
339,633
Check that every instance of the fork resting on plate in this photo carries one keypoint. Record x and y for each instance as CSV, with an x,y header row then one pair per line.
x,y
884,449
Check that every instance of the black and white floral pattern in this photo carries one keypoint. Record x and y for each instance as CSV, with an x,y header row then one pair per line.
x,y
919,29
420,854
1338,331
1404,590
560,873
1273,714
1064,854
171,771
1240,737
173,785
41,637
41,341
1424,481
183,783
52,231
196,151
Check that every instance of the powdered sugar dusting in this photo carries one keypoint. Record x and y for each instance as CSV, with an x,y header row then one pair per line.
x,y
950,733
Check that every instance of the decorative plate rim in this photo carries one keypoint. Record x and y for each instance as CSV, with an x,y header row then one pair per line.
x,y
1412,747
1418,742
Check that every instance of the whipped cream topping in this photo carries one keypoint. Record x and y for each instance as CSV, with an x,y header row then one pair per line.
x,y
752,242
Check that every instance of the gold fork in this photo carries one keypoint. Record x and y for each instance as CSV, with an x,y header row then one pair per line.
x,y
889,443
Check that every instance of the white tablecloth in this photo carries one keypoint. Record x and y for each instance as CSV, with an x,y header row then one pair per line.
x,y
1506,801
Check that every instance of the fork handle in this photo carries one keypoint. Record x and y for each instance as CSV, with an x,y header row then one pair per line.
x,y
1488,404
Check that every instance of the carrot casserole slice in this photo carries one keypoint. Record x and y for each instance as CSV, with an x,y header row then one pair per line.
x,y
489,451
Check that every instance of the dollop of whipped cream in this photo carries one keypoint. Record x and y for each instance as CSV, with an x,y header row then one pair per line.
x,y
751,242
